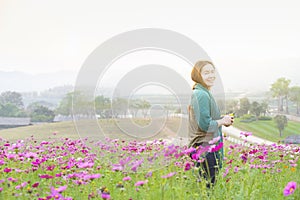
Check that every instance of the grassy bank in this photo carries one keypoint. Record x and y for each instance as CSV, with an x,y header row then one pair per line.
x,y
112,128
267,129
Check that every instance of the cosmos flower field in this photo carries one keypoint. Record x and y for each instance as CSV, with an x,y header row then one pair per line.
x,y
115,169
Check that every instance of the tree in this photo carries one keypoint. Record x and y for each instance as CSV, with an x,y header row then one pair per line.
x,y
102,106
280,89
232,106
264,107
294,96
75,102
13,98
31,107
65,105
134,106
42,114
256,108
119,106
244,106
11,110
281,122
145,105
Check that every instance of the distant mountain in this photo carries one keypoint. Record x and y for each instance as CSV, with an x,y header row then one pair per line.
x,y
23,82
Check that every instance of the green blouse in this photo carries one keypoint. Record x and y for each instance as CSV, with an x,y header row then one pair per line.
x,y
203,112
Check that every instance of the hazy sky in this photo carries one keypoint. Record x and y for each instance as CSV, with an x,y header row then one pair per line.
x,y
252,44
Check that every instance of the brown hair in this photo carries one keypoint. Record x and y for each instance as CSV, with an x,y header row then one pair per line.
x,y
196,72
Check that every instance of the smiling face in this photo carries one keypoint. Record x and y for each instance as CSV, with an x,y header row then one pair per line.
x,y
208,75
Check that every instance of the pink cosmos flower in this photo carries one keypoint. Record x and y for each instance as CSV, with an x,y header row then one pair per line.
x,y
7,170
136,164
236,169
226,171
141,183
289,188
105,195
85,165
61,189
31,155
215,148
46,176
127,178
36,184
117,167
201,150
169,175
246,134
214,140
55,194
188,166
91,176
12,179
2,162
189,150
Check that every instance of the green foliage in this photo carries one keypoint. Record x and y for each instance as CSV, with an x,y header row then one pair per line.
x,y
31,107
103,106
247,118
264,107
11,105
280,90
294,95
42,118
256,108
76,102
65,105
244,106
265,118
281,122
139,104
119,106
11,110
232,106
12,98
42,114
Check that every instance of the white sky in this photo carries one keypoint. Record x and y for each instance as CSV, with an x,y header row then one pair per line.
x,y
252,44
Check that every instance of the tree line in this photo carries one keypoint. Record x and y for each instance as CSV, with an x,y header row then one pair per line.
x,y
280,90
11,104
103,106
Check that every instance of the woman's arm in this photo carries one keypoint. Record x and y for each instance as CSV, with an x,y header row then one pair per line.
x,y
201,102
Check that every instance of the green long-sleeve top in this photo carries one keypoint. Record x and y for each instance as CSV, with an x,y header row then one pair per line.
x,y
203,113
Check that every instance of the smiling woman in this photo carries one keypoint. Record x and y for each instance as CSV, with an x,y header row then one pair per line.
x,y
205,122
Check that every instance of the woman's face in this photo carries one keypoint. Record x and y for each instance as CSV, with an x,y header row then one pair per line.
x,y
208,75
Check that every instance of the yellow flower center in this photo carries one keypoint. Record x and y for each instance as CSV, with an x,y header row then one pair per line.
x,y
293,169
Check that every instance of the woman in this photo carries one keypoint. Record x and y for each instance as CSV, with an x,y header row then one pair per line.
x,y
205,122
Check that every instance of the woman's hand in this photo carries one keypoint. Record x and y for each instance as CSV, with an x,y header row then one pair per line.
x,y
227,120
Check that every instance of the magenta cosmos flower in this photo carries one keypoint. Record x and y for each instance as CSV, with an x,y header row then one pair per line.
x,y
246,134
169,175
141,183
127,178
105,195
289,188
214,140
